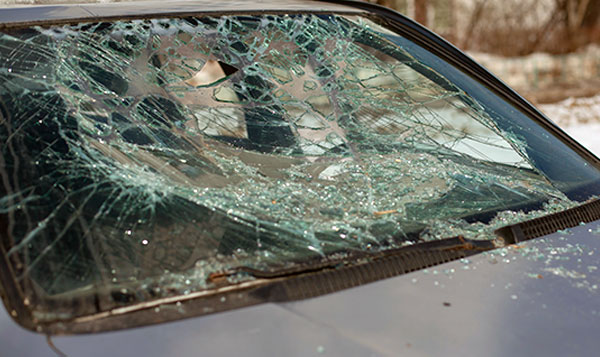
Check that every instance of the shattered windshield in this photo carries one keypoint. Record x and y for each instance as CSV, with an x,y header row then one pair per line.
x,y
143,156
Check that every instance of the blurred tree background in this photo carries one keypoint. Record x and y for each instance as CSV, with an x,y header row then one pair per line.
x,y
508,27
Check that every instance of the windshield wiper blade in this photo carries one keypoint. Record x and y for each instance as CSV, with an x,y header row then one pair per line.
x,y
415,257
326,276
362,267
552,223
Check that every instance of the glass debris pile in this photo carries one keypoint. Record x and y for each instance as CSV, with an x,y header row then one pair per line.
x,y
151,153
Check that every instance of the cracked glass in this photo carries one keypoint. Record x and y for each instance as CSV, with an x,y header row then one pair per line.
x,y
139,157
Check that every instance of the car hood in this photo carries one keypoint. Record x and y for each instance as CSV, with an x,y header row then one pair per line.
x,y
539,297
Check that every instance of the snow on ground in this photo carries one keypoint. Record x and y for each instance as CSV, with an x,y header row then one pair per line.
x,y
586,134
539,74
580,118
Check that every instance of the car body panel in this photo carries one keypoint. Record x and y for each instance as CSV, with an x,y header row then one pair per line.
x,y
537,298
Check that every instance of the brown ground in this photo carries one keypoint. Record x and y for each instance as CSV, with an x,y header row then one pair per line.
x,y
560,92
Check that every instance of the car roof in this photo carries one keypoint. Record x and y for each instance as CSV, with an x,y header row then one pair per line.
x,y
22,15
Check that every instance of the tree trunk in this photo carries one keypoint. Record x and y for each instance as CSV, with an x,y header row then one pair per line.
x,y
592,15
421,12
